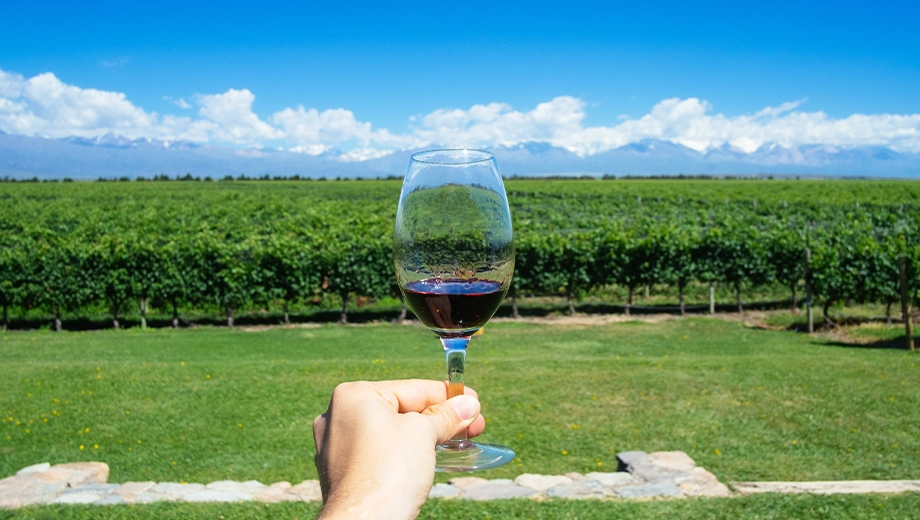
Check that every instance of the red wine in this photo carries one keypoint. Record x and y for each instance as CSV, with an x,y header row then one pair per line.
x,y
452,307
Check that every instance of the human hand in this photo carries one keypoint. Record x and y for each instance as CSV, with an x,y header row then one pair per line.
x,y
375,445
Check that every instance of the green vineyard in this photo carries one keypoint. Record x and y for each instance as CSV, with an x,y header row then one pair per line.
x,y
240,246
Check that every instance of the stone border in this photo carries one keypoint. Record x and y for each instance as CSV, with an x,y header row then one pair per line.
x,y
659,475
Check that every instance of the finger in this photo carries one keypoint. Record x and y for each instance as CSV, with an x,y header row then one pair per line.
x,y
477,427
451,417
416,395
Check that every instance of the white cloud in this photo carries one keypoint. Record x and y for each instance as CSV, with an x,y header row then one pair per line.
x,y
688,122
235,122
315,132
45,106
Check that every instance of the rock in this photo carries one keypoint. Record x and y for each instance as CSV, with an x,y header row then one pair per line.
x,y
443,491
618,478
250,486
654,474
83,472
659,489
111,500
31,488
579,490
35,468
676,460
465,482
173,491
84,497
308,490
541,482
829,487
703,484
102,489
627,458
147,498
575,476
277,492
215,495
491,491
129,490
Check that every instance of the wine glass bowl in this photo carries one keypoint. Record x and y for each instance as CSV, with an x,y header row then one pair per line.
x,y
453,253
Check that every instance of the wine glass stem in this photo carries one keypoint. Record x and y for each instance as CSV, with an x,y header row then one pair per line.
x,y
455,349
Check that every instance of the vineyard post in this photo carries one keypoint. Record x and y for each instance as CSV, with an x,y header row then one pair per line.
x,y
712,299
808,295
905,303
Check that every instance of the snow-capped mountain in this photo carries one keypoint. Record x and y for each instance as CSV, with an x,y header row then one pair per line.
x,y
114,156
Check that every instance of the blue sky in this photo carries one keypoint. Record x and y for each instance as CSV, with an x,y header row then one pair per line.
x,y
387,63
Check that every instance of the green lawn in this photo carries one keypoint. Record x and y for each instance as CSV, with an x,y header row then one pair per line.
x,y
764,507
209,404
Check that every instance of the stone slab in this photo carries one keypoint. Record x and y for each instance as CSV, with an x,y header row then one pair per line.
x,y
35,468
580,489
215,495
541,482
443,491
844,487
130,489
614,479
84,497
111,500
491,491
627,458
103,489
704,484
465,482
655,490
308,490
676,460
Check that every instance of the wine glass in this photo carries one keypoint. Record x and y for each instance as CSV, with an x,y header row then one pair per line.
x,y
453,251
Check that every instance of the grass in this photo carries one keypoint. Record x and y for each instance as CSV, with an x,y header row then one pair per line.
x,y
763,507
208,404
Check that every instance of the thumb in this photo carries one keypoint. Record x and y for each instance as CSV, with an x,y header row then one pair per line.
x,y
452,416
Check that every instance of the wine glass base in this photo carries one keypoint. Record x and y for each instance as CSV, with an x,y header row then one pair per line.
x,y
476,457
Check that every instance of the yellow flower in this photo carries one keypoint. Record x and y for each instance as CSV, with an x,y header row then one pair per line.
x,y
95,446
81,446
795,442
138,441
86,430
174,463
182,363
564,452
240,425
717,452
127,412
207,376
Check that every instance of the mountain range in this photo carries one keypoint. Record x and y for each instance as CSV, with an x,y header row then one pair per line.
x,y
114,156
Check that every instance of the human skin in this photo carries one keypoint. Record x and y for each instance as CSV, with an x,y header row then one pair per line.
x,y
375,445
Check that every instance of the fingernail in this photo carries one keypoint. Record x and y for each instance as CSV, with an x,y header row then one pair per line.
x,y
466,406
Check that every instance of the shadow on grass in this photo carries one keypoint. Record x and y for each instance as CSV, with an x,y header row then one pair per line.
x,y
897,343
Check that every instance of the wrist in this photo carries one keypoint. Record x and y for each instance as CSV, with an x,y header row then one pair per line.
x,y
377,504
